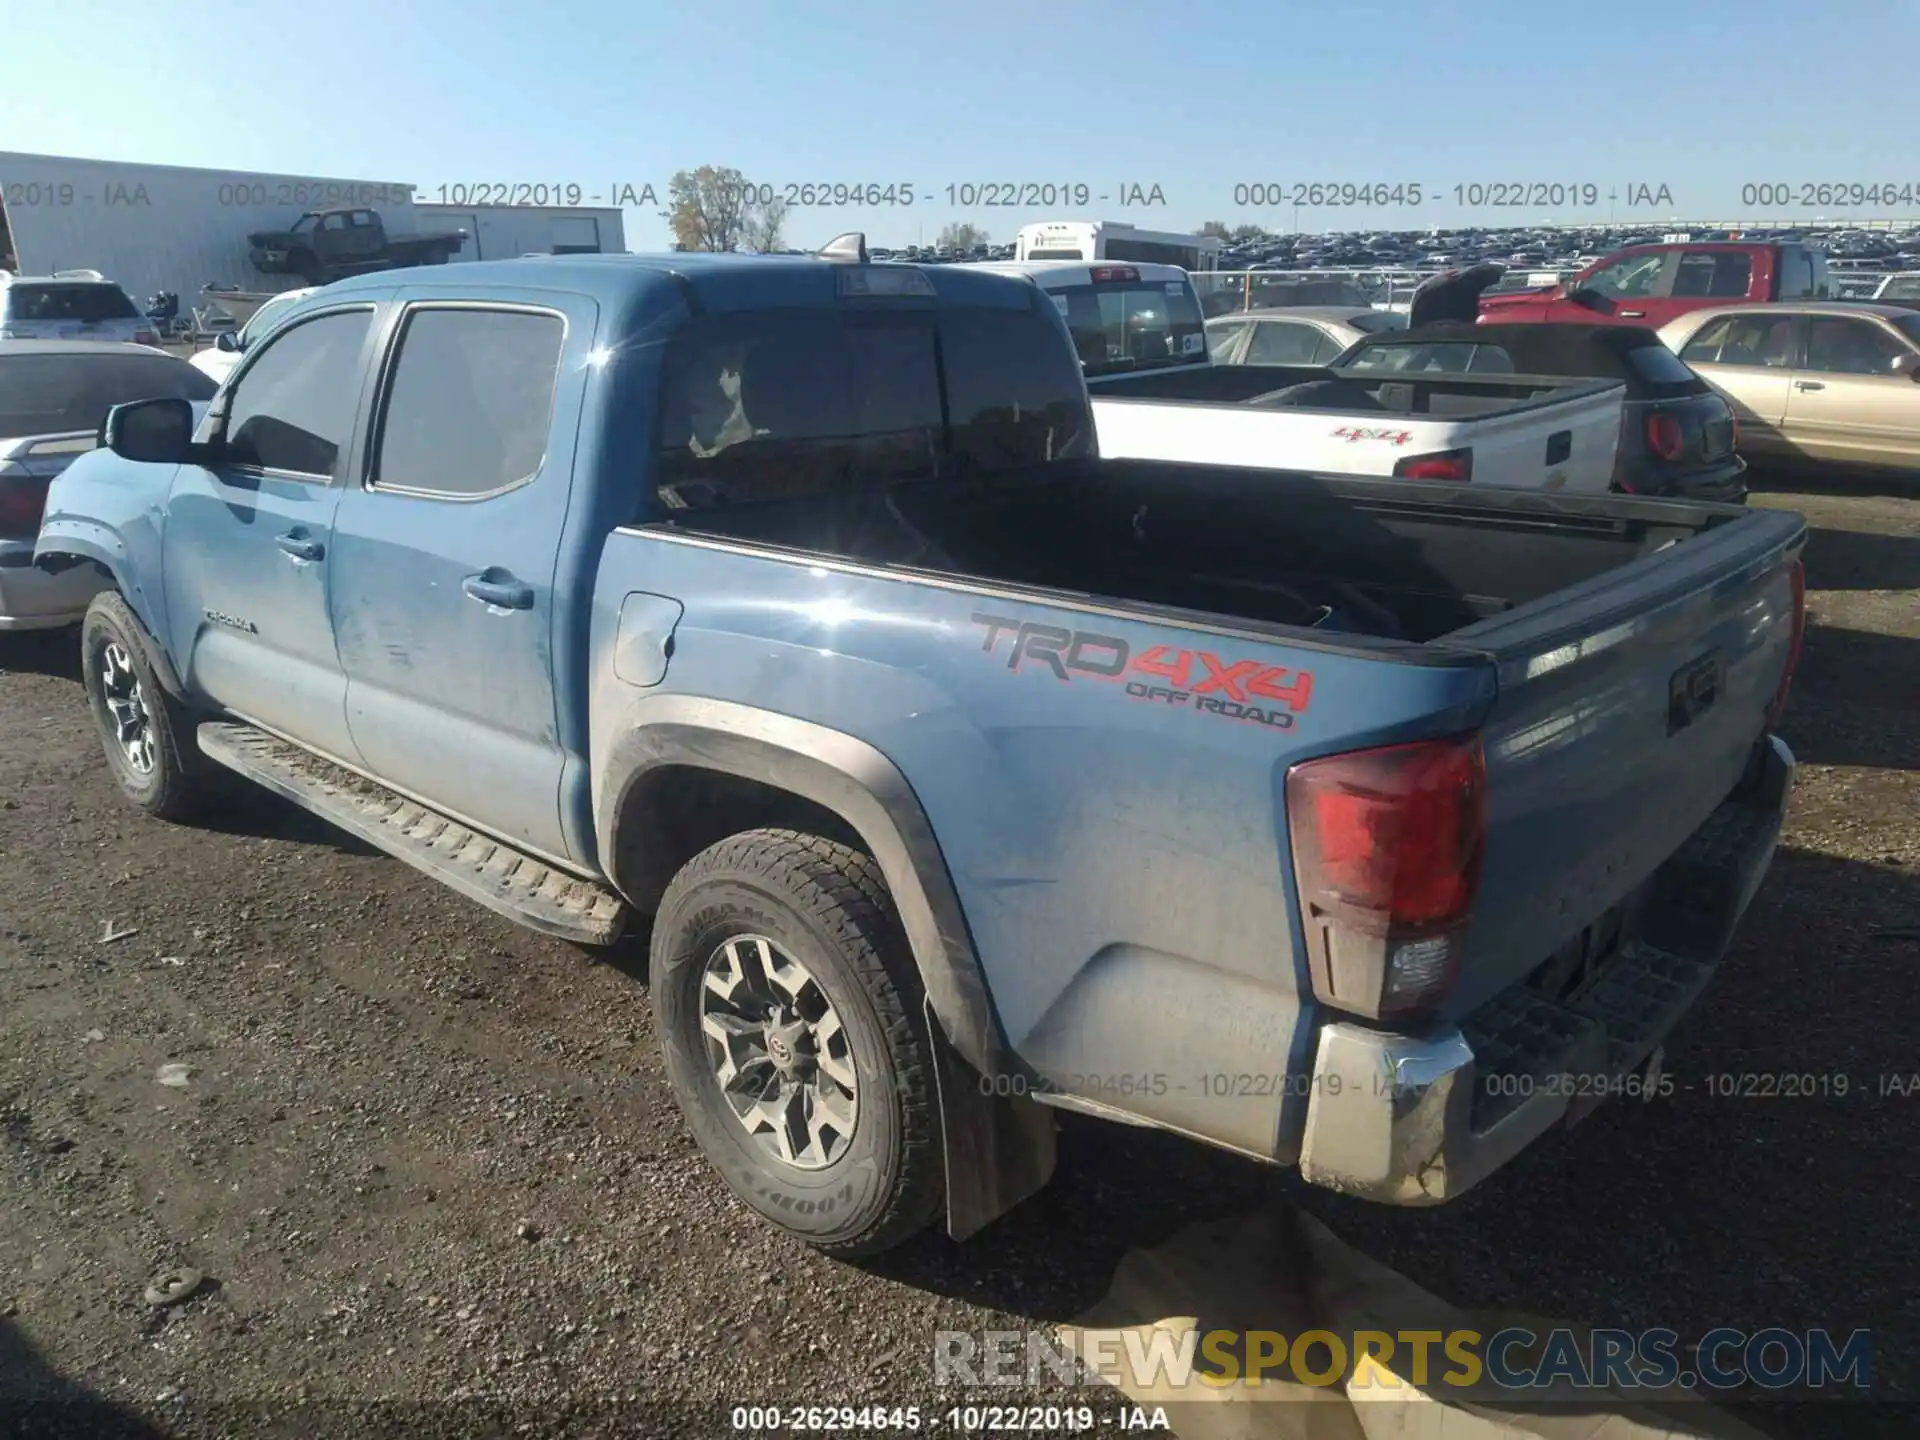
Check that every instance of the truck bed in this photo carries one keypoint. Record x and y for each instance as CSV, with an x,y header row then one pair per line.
x,y
1369,560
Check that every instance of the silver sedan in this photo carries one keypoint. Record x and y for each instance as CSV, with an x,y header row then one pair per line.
x,y
1294,334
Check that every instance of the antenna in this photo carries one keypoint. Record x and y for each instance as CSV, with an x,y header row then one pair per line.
x,y
850,246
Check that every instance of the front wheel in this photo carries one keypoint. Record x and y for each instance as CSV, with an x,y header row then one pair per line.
x,y
790,1022
146,733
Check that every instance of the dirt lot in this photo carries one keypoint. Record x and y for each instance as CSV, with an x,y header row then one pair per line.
x,y
426,1158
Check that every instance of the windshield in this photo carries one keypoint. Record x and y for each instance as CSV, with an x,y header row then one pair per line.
x,y
305,222
62,394
1909,326
1120,325
779,405
35,300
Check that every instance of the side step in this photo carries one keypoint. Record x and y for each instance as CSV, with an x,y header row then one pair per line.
x,y
478,866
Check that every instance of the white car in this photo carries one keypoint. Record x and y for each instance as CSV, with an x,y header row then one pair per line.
x,y
230,345
70,305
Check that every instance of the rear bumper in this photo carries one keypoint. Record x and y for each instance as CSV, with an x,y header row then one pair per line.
x,y
1726,484
1417,1120
31,599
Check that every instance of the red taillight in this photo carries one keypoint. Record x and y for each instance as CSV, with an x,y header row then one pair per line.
x,y
23,501
1114,272
1794,644
1454,465
1386,851
1664,435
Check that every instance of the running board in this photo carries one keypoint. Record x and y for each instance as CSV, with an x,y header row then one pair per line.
x,y
500,877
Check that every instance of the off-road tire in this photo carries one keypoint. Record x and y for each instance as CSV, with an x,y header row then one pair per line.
x,y
829,907
181,780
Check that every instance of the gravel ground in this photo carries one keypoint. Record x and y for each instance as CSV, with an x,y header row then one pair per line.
x,y
428,1166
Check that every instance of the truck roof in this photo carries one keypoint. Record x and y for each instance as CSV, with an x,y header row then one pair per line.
x,y
716,281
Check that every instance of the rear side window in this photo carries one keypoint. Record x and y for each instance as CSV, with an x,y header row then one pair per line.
x,y
65,394
87,303
775,405
470,402
292,410
1796,273
1715,274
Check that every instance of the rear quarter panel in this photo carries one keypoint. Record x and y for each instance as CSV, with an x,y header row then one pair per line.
x,y
1122,862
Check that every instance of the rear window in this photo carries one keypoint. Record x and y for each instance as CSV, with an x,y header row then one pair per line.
x,y
784,404
33,300
1442,358
63,394
1120,325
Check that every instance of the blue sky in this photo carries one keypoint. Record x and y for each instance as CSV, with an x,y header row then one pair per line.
x,y
1701,96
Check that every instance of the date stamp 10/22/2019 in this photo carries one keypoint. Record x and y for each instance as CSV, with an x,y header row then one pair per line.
x,y
810,194
1650,1082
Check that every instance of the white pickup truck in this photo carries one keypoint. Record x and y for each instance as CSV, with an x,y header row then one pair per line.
x,y
1156,396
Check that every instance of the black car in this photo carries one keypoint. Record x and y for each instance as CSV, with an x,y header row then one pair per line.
x,y
1677,438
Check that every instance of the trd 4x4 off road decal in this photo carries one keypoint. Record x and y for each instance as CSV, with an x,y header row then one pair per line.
x,y
1251,691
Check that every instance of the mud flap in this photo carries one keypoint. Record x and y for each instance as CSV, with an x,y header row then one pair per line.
x,y
999,1149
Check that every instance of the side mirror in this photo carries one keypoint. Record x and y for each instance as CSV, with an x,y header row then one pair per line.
x,y
1585,299
155,431
228,340
1907,365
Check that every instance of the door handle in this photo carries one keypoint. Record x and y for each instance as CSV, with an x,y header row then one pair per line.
x,y
300,547
508,594
1633,314
1809,385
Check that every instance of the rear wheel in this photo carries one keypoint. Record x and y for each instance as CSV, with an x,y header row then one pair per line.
x,y
146,733
790,1022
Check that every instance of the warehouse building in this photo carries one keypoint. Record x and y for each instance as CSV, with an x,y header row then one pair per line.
x,y
178,228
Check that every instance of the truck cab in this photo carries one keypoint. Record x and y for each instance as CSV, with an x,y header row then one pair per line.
x,y
1653,284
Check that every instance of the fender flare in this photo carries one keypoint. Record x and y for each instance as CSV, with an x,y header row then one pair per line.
x,y
68,537
999,1148
860,785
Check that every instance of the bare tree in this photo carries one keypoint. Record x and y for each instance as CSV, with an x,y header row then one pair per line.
x,y
1216,228
960,236
765,227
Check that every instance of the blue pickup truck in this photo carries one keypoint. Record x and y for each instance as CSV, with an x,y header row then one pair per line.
x,y
1369,827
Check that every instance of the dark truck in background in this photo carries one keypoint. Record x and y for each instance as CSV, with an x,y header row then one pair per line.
x,y
326,245
1652,284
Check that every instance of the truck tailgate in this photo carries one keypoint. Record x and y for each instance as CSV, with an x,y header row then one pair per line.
x,y
1628,707
1310,440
